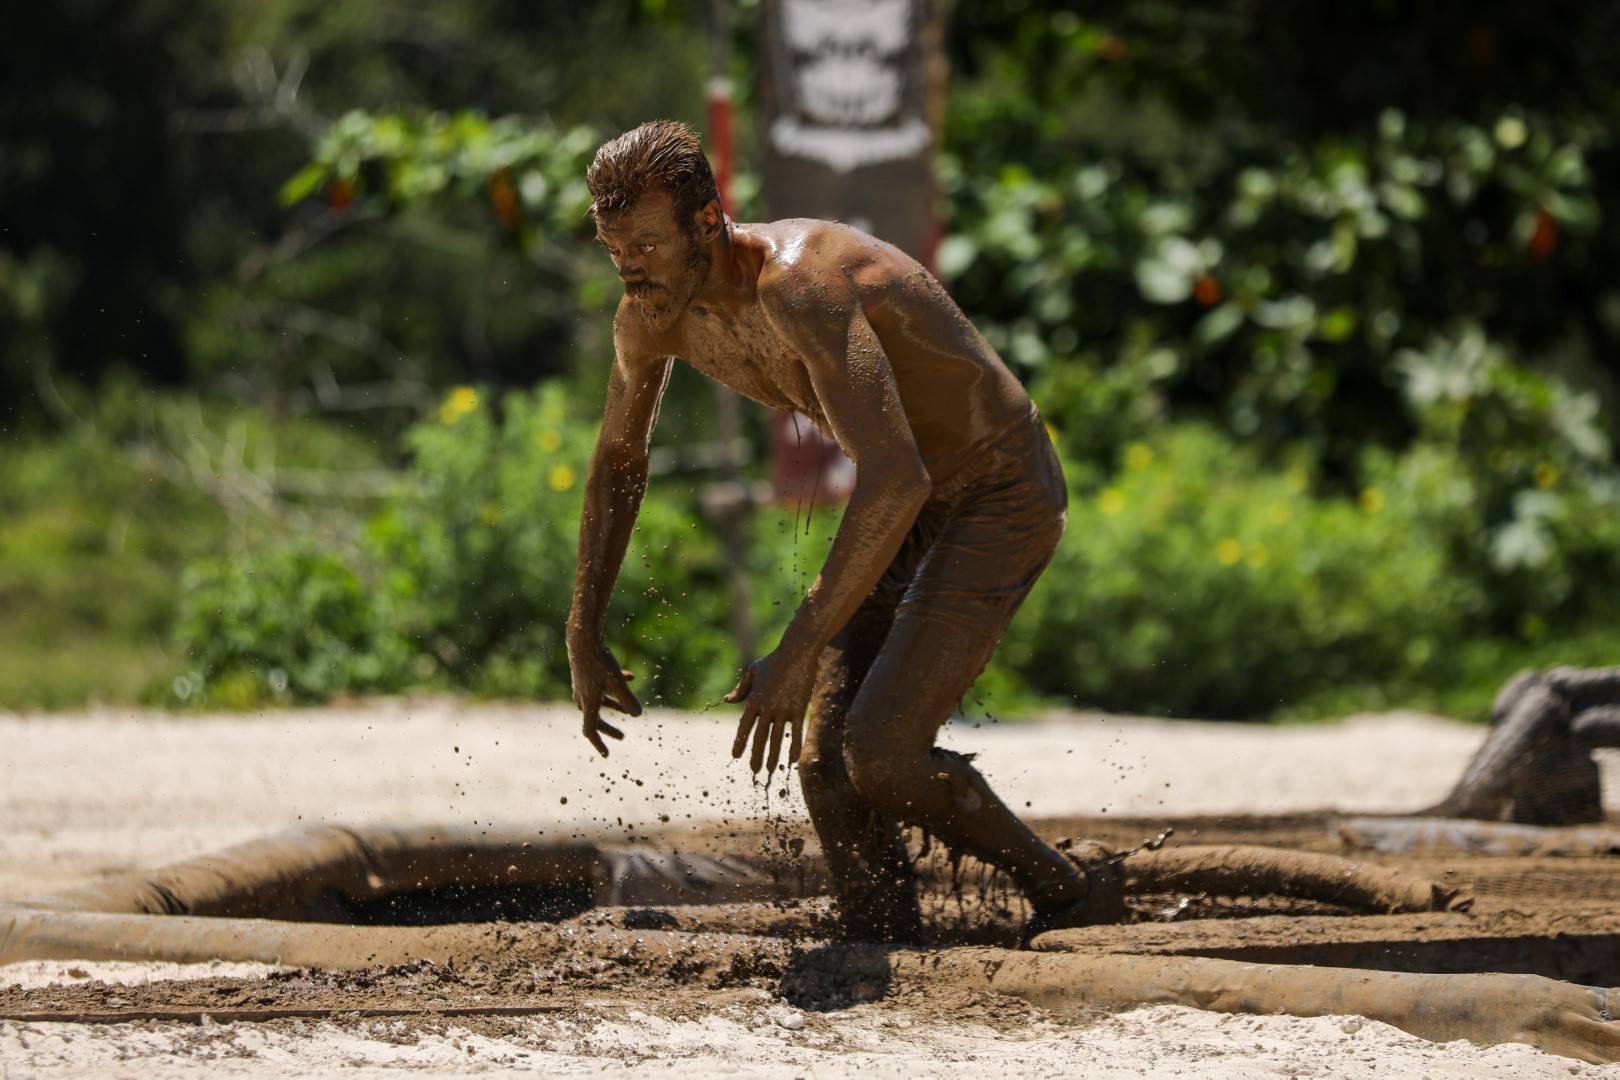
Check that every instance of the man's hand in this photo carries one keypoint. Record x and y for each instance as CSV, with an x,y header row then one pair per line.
x,y
599,680
777,689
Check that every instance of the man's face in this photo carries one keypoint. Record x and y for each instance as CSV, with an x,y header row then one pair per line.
x,y
661,264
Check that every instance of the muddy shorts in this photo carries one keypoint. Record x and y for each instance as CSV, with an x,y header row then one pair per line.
x,y
983,537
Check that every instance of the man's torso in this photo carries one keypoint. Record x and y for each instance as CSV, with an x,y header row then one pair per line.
x,y
957,394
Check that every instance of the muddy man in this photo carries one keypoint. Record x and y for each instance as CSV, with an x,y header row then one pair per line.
x,y
958,504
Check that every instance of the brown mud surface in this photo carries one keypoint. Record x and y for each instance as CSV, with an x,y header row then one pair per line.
x,y
710,989
1555,917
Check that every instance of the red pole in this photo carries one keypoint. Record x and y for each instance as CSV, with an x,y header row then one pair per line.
x,y
720,138
720,129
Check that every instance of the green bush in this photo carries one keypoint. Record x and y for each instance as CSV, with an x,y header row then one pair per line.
x,y
1516,474
1198,582
1193,578
465,582
98,521
292,625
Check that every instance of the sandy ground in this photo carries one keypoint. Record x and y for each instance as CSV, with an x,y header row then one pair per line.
x,y
86,795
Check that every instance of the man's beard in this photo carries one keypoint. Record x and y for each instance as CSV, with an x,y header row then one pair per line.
x,y
659,306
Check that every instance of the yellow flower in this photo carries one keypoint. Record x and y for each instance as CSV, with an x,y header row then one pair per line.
x,y
1138,456
1258,555
1280,513
1372,500
460,401
561,478
549,440
1111,500
1228,552
1546,474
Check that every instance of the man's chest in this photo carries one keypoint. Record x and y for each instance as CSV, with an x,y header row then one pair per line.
x,y
747,355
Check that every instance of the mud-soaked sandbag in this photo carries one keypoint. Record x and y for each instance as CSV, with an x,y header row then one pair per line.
x,y
327,873
1238,870
316,874
1432,835
1558,1017
275,899
28,934
1535,766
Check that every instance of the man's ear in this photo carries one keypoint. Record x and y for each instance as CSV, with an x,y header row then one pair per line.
x,y
709,221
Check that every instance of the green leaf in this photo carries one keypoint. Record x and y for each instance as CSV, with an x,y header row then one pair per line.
x,y
1218,325
302,184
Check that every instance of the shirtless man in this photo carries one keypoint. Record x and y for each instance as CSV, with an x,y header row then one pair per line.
x,y
958,504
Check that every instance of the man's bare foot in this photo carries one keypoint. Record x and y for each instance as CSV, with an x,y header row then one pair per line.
x,y
1103,902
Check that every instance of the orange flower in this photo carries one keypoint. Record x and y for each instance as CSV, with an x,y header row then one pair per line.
x,y
503,197
1543,236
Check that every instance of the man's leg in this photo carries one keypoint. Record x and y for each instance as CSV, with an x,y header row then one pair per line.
x,y
920,675
871,869
987,555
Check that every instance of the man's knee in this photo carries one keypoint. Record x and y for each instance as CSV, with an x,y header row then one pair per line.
x,y
818,769
883,771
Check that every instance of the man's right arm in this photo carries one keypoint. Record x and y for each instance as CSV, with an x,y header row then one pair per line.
x,y
613,489
615,483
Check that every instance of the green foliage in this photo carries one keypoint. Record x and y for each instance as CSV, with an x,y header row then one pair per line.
x,y
291,625
98,522
91,540
1193,578
532,174
1199,582
465,581
143,145
1282,242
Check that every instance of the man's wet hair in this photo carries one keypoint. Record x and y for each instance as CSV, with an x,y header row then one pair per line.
x,y
663,155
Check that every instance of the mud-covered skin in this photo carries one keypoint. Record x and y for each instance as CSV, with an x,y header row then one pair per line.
x,y
821,318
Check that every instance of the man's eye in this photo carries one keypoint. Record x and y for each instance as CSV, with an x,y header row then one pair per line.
x,y
646,249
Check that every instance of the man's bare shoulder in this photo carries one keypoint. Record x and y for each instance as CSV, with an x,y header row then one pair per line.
x,y
809,259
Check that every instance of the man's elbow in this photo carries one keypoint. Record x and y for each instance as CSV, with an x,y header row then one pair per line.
x,y
922,485
910,484
624,457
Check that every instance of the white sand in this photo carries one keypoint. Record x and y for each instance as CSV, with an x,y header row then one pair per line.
x,y
114,790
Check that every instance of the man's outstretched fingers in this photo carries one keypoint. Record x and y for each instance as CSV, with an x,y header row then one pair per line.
x,y
744,726
761,732
795,745
592,721
622,696
776,744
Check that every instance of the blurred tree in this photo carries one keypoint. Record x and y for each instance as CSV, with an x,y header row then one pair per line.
x,y
142,144
94,198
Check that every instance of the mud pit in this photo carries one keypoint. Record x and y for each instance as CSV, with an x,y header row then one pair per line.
x,y
1226,925
682,967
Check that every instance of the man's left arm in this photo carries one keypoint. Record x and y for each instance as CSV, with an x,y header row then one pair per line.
x,y
856,389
